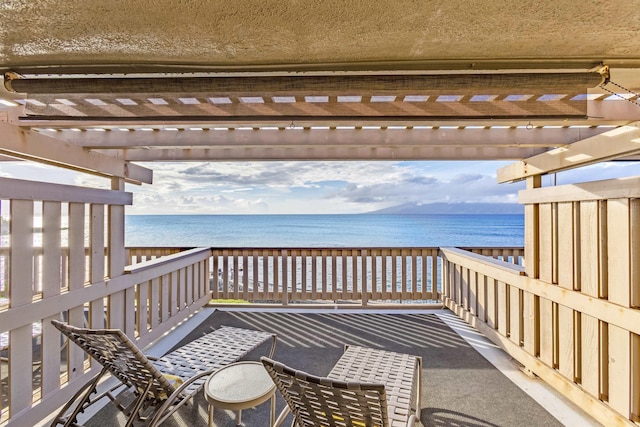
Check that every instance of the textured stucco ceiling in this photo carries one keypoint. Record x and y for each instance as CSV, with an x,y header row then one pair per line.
x,y
310,78
293,33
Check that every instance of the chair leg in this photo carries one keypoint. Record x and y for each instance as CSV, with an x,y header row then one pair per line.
x,y
85,391
282,417
138,404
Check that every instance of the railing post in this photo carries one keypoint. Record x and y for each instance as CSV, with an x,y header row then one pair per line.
x,y
116,254
444,283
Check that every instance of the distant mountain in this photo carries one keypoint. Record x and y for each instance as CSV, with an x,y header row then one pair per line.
x,y
453,208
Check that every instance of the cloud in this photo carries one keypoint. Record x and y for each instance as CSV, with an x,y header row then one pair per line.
x,y
416,184
468,178
186,200
242,174
312,187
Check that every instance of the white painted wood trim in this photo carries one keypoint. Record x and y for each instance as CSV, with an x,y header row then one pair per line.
x,y
27,144
19,189
306,137
613,144
595,190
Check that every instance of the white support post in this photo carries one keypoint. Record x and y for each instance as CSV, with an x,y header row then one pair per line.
x,y
117,258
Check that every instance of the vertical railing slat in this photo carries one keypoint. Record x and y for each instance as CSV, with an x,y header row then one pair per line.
x,y
481,302
539,328
334,275
403,273
285,278
355,282
52,279
255,277
20,292
394,275
295,293
174,302
76,280
620,380
265,274
96,262
317,292
382,276
502,308
473,292
245,274
413,291
434,276
303,274
275,256
375,290
566,326
142,295
155,303
165,289
492,299
117,259
235,273
363,277
590,340
324,275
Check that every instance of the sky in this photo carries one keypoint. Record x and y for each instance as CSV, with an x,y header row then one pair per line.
x,y
312,187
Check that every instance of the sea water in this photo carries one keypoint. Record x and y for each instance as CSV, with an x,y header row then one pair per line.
x,y
325,231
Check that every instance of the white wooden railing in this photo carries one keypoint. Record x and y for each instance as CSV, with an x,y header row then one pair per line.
x,y
319,273
162,286
363,275
360,275
70,268
78,273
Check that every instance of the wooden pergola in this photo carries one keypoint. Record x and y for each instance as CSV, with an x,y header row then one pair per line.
x,y
330,81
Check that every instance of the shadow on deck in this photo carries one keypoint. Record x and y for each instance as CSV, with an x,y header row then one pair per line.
x,y
460,386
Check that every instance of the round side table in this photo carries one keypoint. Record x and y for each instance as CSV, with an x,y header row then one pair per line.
x,y
238,386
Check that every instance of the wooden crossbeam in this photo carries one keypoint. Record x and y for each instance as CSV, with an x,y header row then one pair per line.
x,y
350,152
29,145
618,143
297,137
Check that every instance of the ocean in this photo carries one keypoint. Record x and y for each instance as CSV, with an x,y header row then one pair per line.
x,y
320,231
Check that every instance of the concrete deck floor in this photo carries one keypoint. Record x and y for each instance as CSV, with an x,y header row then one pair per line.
x,y
467,380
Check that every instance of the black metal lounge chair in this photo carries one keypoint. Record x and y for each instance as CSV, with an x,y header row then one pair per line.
x,y
159,387
366,388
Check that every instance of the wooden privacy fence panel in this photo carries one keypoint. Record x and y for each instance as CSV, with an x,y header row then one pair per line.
x,y
62,257
573,317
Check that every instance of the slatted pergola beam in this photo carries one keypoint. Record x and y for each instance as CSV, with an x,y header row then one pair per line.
x,y
336,137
